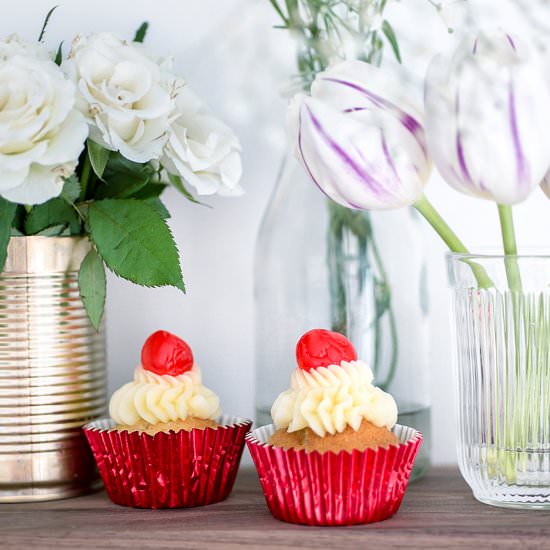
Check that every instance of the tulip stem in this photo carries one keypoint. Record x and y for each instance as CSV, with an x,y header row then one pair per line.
x,y
507,227
450,238
426,208
510,246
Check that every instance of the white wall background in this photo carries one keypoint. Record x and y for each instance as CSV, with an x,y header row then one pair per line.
x,y
229,53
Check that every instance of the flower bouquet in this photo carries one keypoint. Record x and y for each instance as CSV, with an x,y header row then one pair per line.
x,y
485,125
89,141
88,144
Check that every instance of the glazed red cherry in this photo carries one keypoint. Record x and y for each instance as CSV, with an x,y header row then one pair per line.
x,y
165,353
321,348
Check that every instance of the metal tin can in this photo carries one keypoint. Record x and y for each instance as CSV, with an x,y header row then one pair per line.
x,y
52,372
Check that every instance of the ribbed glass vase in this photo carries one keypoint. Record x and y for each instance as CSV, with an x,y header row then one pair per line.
x,y
503,378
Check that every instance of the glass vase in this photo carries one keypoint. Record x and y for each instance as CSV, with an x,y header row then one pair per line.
x,y
361,274
502,340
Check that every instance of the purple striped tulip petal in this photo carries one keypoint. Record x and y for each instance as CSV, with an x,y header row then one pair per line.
x,y
488,118
357,140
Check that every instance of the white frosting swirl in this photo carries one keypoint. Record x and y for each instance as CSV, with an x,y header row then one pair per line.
x,y
327,399
163,398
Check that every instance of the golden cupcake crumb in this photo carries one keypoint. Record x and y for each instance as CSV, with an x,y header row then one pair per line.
x,y
151,429
368,436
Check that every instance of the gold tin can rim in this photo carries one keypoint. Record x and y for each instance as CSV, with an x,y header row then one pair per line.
x,y
45,255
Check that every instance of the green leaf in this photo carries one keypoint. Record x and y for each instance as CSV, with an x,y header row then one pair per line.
x,y
58,59
141,32
123,178
71,190
389,33
177,182
7,213
99,157
157,205
151,190
45,24
135,242
93,286
55,212
19,219
54,231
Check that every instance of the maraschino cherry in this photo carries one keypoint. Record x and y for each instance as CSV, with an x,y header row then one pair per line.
x,y
321,348
165,353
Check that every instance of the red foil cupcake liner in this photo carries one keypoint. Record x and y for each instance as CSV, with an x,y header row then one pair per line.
x,y
168,470
344,488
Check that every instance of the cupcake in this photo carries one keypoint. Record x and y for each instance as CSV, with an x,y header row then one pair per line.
x,y
166,445
334,454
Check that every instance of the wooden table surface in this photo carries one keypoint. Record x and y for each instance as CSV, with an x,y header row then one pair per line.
x,y
438,512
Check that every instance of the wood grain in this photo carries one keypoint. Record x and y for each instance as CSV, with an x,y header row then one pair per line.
x,y
438,512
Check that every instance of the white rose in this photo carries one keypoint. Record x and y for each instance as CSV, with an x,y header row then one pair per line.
x,y
41,133
200,148
13,45
122,94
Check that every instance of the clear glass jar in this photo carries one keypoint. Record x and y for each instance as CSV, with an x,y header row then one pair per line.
x,y
502,370
361,274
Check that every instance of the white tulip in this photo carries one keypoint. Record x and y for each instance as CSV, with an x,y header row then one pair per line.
x,y
359,139
200,148
488,118
123,95
41,133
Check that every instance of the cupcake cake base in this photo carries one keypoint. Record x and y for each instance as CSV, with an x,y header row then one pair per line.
x,y
368,436
152,429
